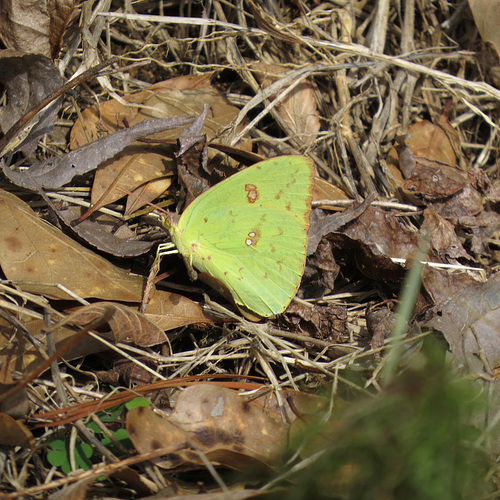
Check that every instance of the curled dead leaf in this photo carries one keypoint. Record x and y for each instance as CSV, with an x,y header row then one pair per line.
x,y
15,433
127,325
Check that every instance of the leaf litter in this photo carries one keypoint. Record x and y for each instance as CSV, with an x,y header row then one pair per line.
x,y
403,145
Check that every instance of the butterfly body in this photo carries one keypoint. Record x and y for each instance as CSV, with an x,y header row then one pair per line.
x,y
249,232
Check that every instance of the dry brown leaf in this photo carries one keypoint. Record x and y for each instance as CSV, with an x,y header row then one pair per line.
x,y
221,495
59,170
35,27
214,419
27,79
100,231
391,238
324,322
430,141
25,358
15,433
139,165
370,242
379,323
40,256
445,245
465,203
425,141
157,101
132,170
324,190
469,321
35,253
127,325
487,18
16,406
435,181
76,491
440,284
298,109
147,192
170,310
184,82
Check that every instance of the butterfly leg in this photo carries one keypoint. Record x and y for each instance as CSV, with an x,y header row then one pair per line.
x,y
166,249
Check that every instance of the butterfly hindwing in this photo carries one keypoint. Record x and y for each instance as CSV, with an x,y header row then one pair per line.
x,y
250,232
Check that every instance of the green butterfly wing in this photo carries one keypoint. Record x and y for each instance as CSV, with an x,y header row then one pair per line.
x,y
250,232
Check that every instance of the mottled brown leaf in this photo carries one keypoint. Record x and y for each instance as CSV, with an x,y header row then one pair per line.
x,y
465,203
444,243
77,490
324,322
126,372
370,242
484,227
137,166
36,253
145,171
469,321
321,225
226,428
379,323
383,233
324,190
40,257
424,143
320,272
60,12
434,180
440,284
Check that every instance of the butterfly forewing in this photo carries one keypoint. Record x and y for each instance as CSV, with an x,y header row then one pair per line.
x,y
250,232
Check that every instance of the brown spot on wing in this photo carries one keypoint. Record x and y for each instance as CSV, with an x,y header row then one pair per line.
x,y
252,193
253,238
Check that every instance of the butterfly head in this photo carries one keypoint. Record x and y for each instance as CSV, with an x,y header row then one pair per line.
x,y
169,220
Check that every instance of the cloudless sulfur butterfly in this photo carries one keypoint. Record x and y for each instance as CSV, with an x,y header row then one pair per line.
x,y
249,232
